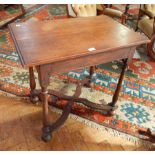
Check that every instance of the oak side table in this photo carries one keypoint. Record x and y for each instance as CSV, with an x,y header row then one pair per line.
x,y
68,44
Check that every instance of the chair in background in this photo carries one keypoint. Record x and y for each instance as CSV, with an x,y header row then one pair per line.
x,y
146,23
85,10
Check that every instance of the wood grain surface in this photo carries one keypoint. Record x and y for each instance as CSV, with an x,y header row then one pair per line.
x,y
50,41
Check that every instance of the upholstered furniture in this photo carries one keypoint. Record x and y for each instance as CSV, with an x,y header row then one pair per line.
x,y
146,23
85,10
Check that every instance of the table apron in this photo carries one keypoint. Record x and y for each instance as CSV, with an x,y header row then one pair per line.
x,y
89,60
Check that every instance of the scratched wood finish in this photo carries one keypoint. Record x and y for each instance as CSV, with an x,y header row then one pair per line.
x,y
51,41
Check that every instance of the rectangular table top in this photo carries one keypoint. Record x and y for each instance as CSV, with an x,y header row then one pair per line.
x,y
42,42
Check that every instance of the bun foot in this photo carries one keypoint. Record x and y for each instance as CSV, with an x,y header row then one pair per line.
x,y
89,85
34,99
111,113
46,137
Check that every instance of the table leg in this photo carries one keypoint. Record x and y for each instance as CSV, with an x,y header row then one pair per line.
x,y
48,127
43,77
148,134
32,79
118,88
33,98
91,72
44,73
46,135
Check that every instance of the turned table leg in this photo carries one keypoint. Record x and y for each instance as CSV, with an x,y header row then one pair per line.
x,y
33,98
118,88
91,72
46,135
32,79
43,76
44,72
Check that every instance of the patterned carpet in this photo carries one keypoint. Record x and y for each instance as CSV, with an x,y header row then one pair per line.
x,y
136,105
10,12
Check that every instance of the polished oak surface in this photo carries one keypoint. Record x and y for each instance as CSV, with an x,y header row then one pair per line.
x,y
50,41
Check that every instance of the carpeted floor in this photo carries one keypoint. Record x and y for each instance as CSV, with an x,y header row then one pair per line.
x,y
136,105
24,118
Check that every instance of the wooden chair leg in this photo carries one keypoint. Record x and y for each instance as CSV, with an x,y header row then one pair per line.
x,y
140,14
